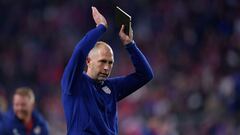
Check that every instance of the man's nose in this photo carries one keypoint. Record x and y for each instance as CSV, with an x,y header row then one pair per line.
x,y
106,67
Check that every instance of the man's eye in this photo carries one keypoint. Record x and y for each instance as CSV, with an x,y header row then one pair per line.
x,y
103,61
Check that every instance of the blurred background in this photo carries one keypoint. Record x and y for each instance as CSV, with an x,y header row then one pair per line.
x,y
192,45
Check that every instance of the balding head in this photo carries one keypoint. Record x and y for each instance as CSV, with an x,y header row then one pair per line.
x,y
100,47
100,61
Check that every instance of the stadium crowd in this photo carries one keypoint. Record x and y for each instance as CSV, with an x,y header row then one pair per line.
x,y
192,45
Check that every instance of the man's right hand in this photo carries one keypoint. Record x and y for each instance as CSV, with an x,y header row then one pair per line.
x,y
126,39
98,18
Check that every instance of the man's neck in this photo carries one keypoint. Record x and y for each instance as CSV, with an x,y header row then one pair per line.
x,y
95,80
88,73
28,123
27,120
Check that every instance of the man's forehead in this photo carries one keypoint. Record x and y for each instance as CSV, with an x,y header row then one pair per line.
x,y
18,97
105,52
104,57
101,51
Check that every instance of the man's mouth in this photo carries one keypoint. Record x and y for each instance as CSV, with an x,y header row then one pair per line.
x,y
103,75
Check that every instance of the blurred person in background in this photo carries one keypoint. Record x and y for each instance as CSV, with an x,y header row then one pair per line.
x,y
3,107
90,98
23,119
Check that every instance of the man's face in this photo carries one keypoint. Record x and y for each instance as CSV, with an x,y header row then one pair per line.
x,y
22,106
100,64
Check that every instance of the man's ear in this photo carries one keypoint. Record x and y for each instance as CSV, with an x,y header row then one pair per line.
x,y
87,60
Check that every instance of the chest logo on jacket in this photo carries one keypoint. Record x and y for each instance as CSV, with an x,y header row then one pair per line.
x,y
37,130
15,132
106,89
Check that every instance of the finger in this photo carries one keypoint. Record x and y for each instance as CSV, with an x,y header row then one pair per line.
x,y
95,14
131,33
121,30
122,27
95,10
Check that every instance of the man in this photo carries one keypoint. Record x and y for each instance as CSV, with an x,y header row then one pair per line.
x,y
23,120
90,98
3,106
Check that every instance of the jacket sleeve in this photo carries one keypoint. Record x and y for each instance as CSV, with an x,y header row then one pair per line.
x,y
76,63
45,129
1,127
5,124
125,85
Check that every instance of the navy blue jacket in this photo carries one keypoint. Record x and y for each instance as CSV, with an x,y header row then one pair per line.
x,y
1,121
90,107
13,126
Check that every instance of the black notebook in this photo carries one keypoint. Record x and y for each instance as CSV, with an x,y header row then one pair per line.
x,y
122,18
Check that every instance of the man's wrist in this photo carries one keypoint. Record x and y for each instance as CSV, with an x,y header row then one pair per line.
x,y
102,27
105,25
130,44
